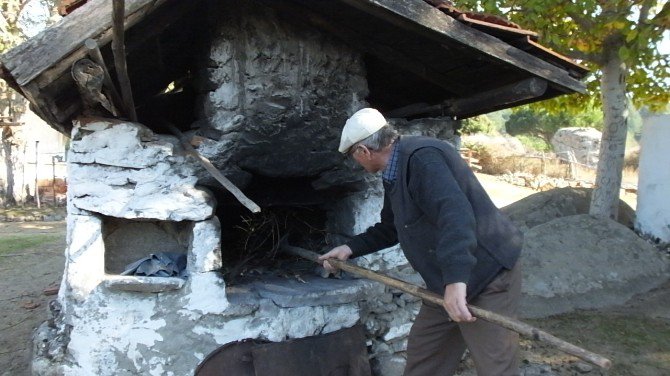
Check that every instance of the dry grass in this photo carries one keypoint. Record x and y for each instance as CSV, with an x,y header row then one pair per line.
x,y
548,166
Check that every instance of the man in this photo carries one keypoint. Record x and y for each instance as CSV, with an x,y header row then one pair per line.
x,y
452,234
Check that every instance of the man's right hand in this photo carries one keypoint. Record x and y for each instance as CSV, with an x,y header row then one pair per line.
x,y
342,252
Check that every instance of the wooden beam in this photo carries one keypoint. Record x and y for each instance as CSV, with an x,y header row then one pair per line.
x,y
368,45
505,96
420,17
53,51
119,50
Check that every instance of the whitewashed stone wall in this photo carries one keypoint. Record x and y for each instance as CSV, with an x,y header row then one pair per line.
x,y
653,203
582,143
120,325
274,95
273,98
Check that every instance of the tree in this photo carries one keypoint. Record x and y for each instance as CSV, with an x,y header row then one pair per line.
x,y
540,123
19,19
618,40
477,124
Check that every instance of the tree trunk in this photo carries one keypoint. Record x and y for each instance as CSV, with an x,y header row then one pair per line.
x,y
605,199
9,199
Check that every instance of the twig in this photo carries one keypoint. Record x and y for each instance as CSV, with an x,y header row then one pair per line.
x,y
15,324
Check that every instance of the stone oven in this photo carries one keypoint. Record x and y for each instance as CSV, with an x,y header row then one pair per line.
x,y
261,89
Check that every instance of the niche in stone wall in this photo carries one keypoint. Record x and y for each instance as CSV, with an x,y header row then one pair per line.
x,y
128,241
291,211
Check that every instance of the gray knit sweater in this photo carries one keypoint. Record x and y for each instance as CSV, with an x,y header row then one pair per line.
x,y
447,226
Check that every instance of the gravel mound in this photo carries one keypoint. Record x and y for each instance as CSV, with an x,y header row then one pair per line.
x,y
581,262
545,206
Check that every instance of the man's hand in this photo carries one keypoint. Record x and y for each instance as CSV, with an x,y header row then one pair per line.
x,y
342,252
455,304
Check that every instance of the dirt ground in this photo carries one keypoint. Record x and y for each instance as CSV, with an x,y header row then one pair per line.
x,y
636,336
26,277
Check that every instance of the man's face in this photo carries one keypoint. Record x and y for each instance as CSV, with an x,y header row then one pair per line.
x,y
369,160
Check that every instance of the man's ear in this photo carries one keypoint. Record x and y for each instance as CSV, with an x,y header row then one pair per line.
x,y
365,151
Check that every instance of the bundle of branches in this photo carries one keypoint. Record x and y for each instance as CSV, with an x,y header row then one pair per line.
x,y
255,241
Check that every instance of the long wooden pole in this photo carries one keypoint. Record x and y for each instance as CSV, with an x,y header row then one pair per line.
x,y
119,50
504,321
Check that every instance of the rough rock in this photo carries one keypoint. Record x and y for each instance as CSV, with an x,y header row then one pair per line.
x,y
123,170
580,262
500,146
267,90
582,143
543,207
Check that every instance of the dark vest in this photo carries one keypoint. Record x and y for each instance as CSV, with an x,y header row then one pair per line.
x,y
499,242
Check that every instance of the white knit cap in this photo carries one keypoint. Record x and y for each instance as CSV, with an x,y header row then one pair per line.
x,y
360,126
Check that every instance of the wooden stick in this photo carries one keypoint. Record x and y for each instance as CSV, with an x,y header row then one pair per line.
x,y
119,50
244,200
94,52
506,322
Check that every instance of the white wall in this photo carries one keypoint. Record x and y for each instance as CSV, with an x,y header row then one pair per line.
x,y
653,200
34,132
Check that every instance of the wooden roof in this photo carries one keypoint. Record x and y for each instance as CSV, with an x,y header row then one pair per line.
x,y
423,58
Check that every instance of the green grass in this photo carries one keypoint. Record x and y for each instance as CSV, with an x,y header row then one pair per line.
x,y
18,243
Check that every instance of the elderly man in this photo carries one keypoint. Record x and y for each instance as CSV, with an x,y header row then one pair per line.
x,y
454,237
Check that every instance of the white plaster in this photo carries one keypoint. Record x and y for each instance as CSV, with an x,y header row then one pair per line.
x,y
653,200
396,332
117,144
367,210
106,326
136,179
207,295
205,249
383,260
341,316
229,331
85,256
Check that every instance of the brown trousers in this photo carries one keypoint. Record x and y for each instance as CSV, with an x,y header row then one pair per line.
x,y
436,344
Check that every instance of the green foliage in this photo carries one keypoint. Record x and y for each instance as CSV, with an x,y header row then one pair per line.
x,y
477,124
592,31
538,125
499,118
534,143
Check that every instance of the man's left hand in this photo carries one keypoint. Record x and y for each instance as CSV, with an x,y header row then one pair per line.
x,y
455,304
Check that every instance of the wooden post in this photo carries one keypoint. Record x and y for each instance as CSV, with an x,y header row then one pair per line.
x,y
37,188
506,322
119,50
53,177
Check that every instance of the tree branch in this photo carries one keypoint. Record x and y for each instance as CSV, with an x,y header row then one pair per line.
x,y
644,11
581,21
662,17
585,56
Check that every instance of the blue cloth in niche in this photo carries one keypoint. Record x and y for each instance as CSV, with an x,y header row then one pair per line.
x,y
161,264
